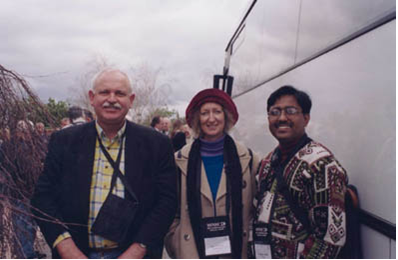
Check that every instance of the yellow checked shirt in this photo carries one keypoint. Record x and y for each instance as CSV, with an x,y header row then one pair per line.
x,y
100,185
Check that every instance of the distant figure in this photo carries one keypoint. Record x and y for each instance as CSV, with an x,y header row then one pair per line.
x,y
65,122
156,123
188,133
217,184
88,115
49,131
177,135
177,126
76,115
111,182
40,129
300,210
41,133
165,125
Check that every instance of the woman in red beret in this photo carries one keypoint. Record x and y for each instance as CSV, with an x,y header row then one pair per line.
x,y
216,183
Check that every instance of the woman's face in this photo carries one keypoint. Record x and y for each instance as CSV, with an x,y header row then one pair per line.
x,y
212,121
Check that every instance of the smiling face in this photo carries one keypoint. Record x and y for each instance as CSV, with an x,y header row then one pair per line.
x,y
212,121
287,128
111,98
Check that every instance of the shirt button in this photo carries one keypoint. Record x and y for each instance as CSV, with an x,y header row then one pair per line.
x,y
187,237
244,233
106,166
244,184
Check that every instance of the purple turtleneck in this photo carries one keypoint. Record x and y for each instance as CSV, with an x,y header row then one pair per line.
x,y
212,154
212,148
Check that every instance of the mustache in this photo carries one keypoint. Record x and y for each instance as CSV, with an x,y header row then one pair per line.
x,y
111,105
278,124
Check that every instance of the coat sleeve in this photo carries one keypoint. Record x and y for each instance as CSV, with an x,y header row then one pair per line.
x,y
157,222
327,217
172,240
45,200
254,172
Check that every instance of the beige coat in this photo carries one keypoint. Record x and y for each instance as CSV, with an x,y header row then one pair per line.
x,y
180,241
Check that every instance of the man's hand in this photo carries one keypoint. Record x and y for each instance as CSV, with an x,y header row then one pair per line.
x,y
135,251
68,249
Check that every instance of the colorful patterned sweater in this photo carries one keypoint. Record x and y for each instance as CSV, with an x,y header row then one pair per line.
x,y
317,183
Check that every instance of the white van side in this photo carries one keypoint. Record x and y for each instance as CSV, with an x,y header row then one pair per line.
x,y
350,75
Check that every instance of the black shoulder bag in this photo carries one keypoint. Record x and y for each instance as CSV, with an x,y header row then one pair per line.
x,y
116,214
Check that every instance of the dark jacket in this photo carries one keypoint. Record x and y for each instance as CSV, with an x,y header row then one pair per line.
x,y
63,190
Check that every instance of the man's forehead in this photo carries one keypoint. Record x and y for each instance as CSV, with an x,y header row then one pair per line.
x,y
286,100
112,87
113,79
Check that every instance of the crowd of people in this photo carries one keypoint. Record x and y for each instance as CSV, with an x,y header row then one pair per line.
x,y
111,188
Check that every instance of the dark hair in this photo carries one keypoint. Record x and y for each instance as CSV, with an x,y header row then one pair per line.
x,y
177,124
88,114
303,99
155,121
75,112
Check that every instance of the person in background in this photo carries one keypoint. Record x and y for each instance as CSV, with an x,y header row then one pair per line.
x,y
177,135
156,123
216,183
50,131
65,122
165,125
301,187
88,115
188,133
76,116
41,134
40,129
110,184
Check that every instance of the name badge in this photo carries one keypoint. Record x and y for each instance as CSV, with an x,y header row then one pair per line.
x,y
262,251
262,248
216,235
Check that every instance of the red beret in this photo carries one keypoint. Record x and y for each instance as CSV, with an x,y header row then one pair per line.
x,y
211,95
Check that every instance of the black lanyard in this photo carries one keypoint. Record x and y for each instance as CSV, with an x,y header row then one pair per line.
x,y
116,169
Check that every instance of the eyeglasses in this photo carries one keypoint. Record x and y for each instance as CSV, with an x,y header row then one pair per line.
x,y
289,111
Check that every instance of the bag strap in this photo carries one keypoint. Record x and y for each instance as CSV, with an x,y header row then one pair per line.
x,y
116,168
297,211
282,185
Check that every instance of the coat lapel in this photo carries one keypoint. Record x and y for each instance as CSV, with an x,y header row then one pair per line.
x,y
204,185
222,187
244,159
85,150
133,158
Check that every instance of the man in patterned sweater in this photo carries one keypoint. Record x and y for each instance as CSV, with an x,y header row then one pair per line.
x,y
300,212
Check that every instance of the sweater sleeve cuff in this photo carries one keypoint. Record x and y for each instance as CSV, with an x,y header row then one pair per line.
x,y
61,238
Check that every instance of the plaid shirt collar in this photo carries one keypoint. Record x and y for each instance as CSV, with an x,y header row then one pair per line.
x,y
104,138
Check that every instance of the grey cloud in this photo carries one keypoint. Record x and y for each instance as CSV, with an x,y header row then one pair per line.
x,y
57,38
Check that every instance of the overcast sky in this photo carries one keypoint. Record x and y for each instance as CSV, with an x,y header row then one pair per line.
x,y
50,42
